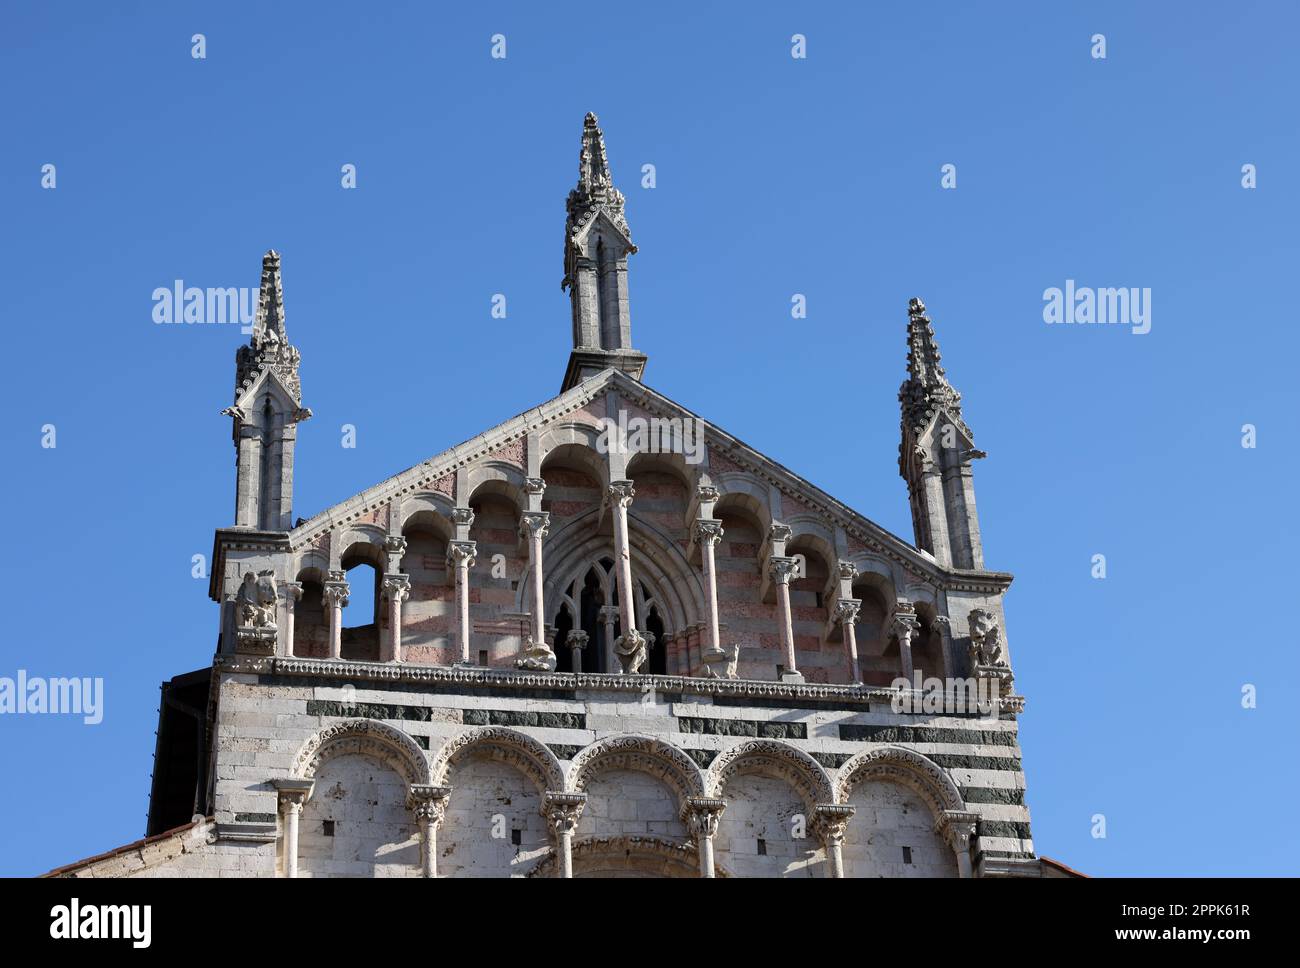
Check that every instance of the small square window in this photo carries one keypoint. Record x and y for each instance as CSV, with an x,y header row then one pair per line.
x,y
327,828
516,837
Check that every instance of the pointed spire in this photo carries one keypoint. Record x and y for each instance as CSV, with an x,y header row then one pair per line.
x,y
269,346
269,323
926,388
595,192
597,242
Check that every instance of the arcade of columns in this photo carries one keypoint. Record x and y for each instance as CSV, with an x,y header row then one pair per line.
x,y
695,650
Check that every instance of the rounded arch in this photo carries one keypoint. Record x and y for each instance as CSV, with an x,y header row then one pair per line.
x,y
628,857
808,533
530,756
673,464
499,479
573,445
918,773
428,510
771,757
363,543
644,754
367,737
744,494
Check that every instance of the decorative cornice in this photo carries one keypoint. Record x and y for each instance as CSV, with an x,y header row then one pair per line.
x,y
850,695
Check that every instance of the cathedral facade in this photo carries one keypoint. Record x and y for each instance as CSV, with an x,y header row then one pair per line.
x,y
608,639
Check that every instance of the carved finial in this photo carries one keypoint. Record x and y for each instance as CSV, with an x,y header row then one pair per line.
x,y
926,389
269,323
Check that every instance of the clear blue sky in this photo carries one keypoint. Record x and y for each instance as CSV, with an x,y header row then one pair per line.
x,y
775,176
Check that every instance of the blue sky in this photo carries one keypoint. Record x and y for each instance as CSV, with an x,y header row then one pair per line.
x,y
775,176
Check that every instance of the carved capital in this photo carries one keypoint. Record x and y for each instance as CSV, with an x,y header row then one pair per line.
x,y
958,828
534,486
292,591
942,625
462,517
708,530
782,569
846,610
429,803
397,587
702,815
335,592
621,493
609,613
395,544
831,821
848,571
563,810
707,493
904,622
535,524
461,554
577,639
292,793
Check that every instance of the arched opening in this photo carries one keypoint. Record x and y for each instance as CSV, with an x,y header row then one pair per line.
x,y
310,617
364,565
429,612
809,612
892,834
880,666
356,823
658,664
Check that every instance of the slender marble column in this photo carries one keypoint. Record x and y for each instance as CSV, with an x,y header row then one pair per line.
x,y
782,569
832,820
292,596
397,588
702,815
958,828
621,494
292,795
577,641
429,804
460,556
904,625
563,810
336,597
708,534
536,523
608,616
846,613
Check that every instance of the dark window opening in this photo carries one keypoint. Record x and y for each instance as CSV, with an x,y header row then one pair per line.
x,y
516,837
327,828
907,855
762,847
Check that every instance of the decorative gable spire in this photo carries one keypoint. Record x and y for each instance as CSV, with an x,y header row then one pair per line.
x,y
268,407
597,242
936,451
926,389
269,347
